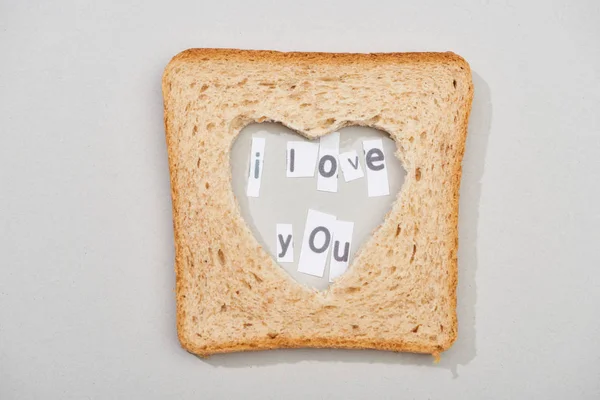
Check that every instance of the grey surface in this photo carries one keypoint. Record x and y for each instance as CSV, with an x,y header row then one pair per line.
x,y
287,200
86,243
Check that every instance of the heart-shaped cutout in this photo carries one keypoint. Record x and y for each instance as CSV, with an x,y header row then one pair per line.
x,y
287,200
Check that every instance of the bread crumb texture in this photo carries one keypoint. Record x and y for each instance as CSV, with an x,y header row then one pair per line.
x,y
400,291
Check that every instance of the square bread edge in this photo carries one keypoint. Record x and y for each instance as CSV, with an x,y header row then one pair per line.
x,y
231,295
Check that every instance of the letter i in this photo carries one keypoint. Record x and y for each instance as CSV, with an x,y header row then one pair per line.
x,y
256,166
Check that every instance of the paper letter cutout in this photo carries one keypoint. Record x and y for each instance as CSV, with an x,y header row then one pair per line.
x,y
285,243
350,166
377,176
316,243
327,168
301,159
340,248
257,158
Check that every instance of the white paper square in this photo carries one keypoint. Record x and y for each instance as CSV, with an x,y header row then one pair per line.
x,y
301,159
377,177
257,159
313,262
285,243
340,248
350,166
329,148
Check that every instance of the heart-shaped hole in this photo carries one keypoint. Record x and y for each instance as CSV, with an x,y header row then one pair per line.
x,y
286,200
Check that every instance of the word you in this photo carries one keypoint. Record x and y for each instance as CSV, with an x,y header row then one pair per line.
x,y
322,232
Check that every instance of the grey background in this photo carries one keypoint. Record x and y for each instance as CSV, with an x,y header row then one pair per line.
x,y
86,256
287,200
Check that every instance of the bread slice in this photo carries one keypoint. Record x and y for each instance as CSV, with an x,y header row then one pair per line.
x,y
400,291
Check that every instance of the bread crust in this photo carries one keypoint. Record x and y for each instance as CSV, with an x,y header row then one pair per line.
x,y
201,327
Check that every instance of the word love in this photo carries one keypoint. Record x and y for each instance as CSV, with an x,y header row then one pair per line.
x,y
322,232
303,158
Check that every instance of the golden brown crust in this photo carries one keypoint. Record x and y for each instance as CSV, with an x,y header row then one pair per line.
x,y
457,178
186,257
199,55
319,343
